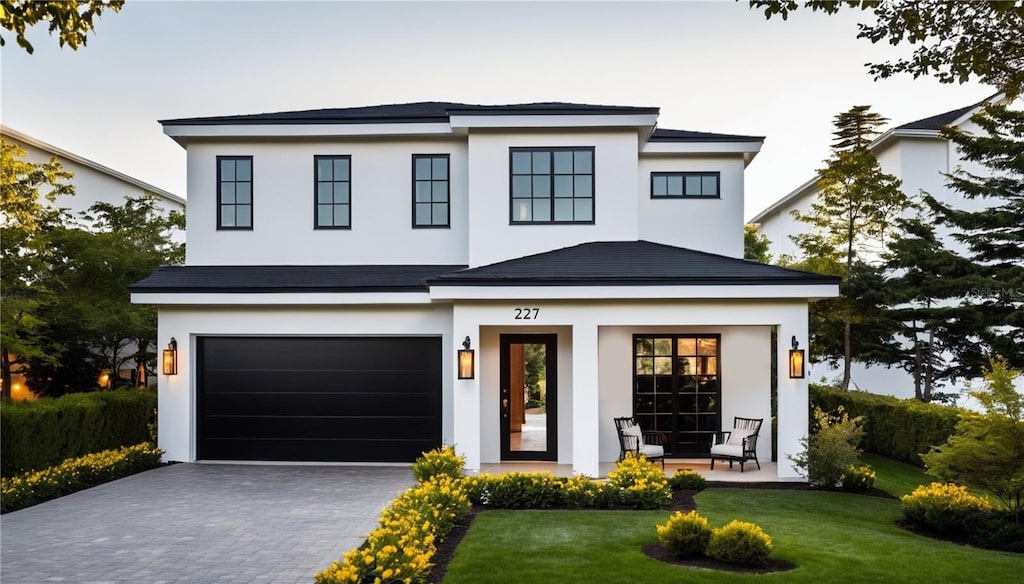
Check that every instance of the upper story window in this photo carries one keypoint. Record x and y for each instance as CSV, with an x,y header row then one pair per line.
x,y
552,185
668,185
430,190
333,203
234,192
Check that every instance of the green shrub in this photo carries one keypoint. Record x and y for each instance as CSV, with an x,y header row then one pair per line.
x,y
439,461
580,492
686,479
43,433
943,507
439,500
523,490
894,428
475,487
739,542
640,483
76,474
858,478
994,529
830,449
686,536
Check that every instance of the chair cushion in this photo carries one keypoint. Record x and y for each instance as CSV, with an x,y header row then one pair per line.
x,y
634,431
728,450
737,435
652,450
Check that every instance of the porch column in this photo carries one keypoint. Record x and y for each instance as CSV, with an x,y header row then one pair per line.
x,y
792,396
586,423
466,392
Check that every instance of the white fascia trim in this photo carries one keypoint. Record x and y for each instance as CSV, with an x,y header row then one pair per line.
x,y
25,138
701,148
553,121
632,292
293,298
305,130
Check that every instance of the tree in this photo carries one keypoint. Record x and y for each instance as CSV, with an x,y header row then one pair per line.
x,y
27,219
755,245
987,450
72,20
993,235
112,248
953,41
849,222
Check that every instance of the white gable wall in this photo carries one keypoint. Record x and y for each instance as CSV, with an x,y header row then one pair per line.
x,y
491,236
283,179
695,223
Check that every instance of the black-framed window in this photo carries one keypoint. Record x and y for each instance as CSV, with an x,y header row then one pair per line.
x,y
333,196
234,192
551,185
673,185
430,190
677,389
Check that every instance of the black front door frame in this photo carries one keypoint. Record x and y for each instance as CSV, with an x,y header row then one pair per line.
x,y
504,395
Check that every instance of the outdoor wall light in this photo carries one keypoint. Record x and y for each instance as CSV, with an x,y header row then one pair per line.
x,y
467,361
171,358
796,361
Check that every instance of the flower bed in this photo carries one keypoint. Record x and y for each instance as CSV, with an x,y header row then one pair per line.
x,y
75,474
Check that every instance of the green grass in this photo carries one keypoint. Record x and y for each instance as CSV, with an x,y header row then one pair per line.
x,y
896,478
829,536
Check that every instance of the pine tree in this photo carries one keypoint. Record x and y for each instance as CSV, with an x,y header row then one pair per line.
x,y
850,221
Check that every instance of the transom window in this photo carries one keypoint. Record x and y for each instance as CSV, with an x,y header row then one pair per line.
x,y
677,390
430,190
668,185
234,192
333,205
552,185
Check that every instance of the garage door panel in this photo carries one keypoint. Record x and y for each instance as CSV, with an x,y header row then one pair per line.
x,y
354,450
324,398
312,404
340,428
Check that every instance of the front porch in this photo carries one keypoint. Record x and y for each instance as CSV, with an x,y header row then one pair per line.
x,y
722,472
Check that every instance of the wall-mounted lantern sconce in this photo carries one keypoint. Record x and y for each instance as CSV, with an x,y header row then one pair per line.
x,y
171,358
796,361
467,361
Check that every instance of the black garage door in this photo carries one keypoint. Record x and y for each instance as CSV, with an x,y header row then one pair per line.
x,y
318,399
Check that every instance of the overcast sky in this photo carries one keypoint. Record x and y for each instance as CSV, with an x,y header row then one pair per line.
x,y
709,66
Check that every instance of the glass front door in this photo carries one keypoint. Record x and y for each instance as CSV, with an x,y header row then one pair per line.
x,y
529,392
677,390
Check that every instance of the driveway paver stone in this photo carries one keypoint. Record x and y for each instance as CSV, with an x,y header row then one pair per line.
x,y
199,524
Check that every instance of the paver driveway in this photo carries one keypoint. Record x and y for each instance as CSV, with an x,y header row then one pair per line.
x,y
199,524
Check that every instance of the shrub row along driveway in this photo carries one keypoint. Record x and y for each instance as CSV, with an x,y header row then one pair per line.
x,y
200,523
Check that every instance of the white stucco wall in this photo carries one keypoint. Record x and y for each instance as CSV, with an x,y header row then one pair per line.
x,y
283,179
177,392
493,239
710,225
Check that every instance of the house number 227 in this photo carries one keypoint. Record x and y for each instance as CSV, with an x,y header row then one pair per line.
x,y
526,313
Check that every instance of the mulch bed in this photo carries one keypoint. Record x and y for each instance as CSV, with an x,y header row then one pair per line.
x,y
656,552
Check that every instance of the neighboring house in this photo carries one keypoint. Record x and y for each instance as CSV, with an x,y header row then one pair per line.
x,y
916,154
338,261
93,183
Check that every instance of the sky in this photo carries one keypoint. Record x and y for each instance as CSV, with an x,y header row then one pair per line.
x,y
709,66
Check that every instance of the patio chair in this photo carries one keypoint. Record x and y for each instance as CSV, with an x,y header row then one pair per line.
x,y
739,444
633,439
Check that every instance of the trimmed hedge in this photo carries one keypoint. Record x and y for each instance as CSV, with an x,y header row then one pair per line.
x,y
899,429
43,433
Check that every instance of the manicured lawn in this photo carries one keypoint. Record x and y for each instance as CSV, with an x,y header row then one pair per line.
x,y
830,536
896,478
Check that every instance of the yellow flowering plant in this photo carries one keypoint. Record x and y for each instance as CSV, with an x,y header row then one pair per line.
x,y
943,506
640,483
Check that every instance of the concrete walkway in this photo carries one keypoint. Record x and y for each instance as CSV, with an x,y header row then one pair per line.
x,y
199,524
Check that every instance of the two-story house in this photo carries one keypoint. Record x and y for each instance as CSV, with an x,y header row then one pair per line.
x,y
366,283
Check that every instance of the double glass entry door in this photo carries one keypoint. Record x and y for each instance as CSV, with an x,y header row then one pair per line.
x,y
529,396
677,390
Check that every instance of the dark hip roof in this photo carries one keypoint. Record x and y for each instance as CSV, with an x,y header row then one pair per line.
x,y
214,279
627,263
666,135
419,112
